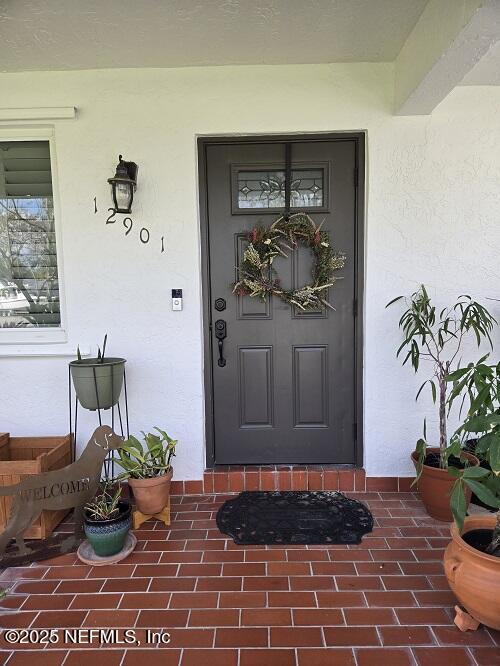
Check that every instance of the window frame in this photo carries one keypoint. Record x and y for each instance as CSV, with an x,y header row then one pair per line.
x,y
35,335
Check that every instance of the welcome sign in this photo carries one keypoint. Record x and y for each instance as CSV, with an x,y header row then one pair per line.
x,y
56,489
70,487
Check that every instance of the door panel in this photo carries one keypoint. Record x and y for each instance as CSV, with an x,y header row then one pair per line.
x,y
256,387
310,387
287,391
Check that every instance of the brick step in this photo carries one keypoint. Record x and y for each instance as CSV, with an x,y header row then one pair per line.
x,y
234,479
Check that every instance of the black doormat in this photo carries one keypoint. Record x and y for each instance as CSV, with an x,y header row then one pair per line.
x,y
294,517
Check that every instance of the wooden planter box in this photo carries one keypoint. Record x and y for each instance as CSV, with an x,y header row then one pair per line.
x,y
26,456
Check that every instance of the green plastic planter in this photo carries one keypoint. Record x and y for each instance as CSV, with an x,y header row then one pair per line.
x,y
107,537
98,385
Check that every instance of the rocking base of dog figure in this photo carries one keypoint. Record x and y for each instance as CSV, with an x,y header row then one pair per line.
x,y
36,550
70,487
138,518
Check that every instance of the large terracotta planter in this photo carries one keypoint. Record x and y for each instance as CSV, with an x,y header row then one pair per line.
x,y
151,495
435,486
474,576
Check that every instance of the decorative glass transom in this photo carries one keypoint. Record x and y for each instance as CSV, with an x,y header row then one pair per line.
x,y
266,188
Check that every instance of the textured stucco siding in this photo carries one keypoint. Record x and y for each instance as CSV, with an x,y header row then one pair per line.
x,y
433,211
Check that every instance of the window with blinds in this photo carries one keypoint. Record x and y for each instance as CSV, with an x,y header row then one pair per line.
x,y
29,284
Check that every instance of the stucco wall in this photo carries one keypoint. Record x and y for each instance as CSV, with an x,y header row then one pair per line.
x,y
433,210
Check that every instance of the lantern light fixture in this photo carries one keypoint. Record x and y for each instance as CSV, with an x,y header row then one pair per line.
x,y
123,185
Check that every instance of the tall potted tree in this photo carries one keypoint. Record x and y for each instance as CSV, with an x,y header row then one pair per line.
x,y
472,559
438,337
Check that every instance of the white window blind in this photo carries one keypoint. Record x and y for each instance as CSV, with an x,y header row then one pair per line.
x,y
29,284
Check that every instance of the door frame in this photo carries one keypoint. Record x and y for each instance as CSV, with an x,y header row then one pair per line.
x,y
359,139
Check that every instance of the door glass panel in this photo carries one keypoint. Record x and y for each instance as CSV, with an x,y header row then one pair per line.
x,y
266,188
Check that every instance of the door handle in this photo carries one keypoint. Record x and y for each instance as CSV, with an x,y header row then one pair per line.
x,y
221,334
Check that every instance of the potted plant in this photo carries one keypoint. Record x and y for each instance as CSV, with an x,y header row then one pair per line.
x,y
148,469
107,520
98,381
472,559
438,337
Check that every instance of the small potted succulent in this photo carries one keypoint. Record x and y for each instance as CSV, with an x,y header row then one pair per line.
x,y
472,559
148,469
98,381
438,337
107,519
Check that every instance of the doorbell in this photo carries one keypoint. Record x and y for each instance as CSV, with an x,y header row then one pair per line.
x,y
176,299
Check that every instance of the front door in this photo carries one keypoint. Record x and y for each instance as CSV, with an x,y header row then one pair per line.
x,y
287,390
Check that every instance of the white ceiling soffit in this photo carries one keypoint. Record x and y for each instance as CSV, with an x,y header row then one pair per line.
x,y
487,70
449,41
76,34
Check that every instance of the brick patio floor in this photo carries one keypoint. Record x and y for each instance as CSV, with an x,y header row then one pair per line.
x,y
383,602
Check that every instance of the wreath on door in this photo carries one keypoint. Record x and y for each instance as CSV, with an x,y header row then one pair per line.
x,y
257,276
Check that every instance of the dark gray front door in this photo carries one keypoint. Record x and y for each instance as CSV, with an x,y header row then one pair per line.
x,y
287,391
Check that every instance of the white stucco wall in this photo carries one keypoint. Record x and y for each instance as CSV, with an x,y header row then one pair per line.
x,y
433,212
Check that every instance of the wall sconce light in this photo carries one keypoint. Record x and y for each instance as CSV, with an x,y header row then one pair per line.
x,y
123,185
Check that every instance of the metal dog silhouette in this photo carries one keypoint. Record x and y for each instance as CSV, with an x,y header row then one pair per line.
x,y
70,487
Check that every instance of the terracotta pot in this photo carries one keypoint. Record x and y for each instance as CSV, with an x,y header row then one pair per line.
x,y
435,486
151,495
474,576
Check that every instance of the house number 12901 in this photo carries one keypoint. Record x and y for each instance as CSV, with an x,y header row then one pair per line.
x,y
128,223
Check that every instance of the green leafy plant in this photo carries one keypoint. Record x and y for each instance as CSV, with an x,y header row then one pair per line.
x,y
438,337
144,461
100,354
480,383
104,506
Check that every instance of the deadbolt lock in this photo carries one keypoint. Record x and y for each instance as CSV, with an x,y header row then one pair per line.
x,y
220,304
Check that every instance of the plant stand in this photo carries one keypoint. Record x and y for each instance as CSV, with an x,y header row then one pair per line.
x,y
138,518
109,462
